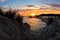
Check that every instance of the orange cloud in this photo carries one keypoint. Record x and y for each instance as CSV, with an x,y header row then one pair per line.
x,y
44,9
37,12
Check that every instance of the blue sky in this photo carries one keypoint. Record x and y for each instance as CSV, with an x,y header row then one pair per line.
x,y
27,2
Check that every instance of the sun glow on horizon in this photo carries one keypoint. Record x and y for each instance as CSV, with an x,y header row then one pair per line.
x,y
33,14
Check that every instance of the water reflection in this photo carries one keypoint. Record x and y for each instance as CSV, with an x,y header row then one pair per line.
x,y
35,23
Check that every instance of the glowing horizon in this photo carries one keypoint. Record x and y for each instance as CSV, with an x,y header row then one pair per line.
x,y
37,12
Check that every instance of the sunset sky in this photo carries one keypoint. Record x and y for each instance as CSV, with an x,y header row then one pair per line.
x,y
44,6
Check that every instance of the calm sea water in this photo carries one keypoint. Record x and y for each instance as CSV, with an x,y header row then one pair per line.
x,y
35,23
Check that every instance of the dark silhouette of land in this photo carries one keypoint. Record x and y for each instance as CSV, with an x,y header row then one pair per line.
x,y
12,28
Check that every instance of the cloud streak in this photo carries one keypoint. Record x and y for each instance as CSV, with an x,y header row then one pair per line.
x,y
44,8
3,0
50,6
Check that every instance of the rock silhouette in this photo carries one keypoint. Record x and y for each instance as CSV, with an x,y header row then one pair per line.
x,y
14,29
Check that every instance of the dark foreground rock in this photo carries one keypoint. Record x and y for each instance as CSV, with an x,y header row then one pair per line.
x,y
51,32
8,29
14,29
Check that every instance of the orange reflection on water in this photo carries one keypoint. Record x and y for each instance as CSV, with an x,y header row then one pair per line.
x,y
35,23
